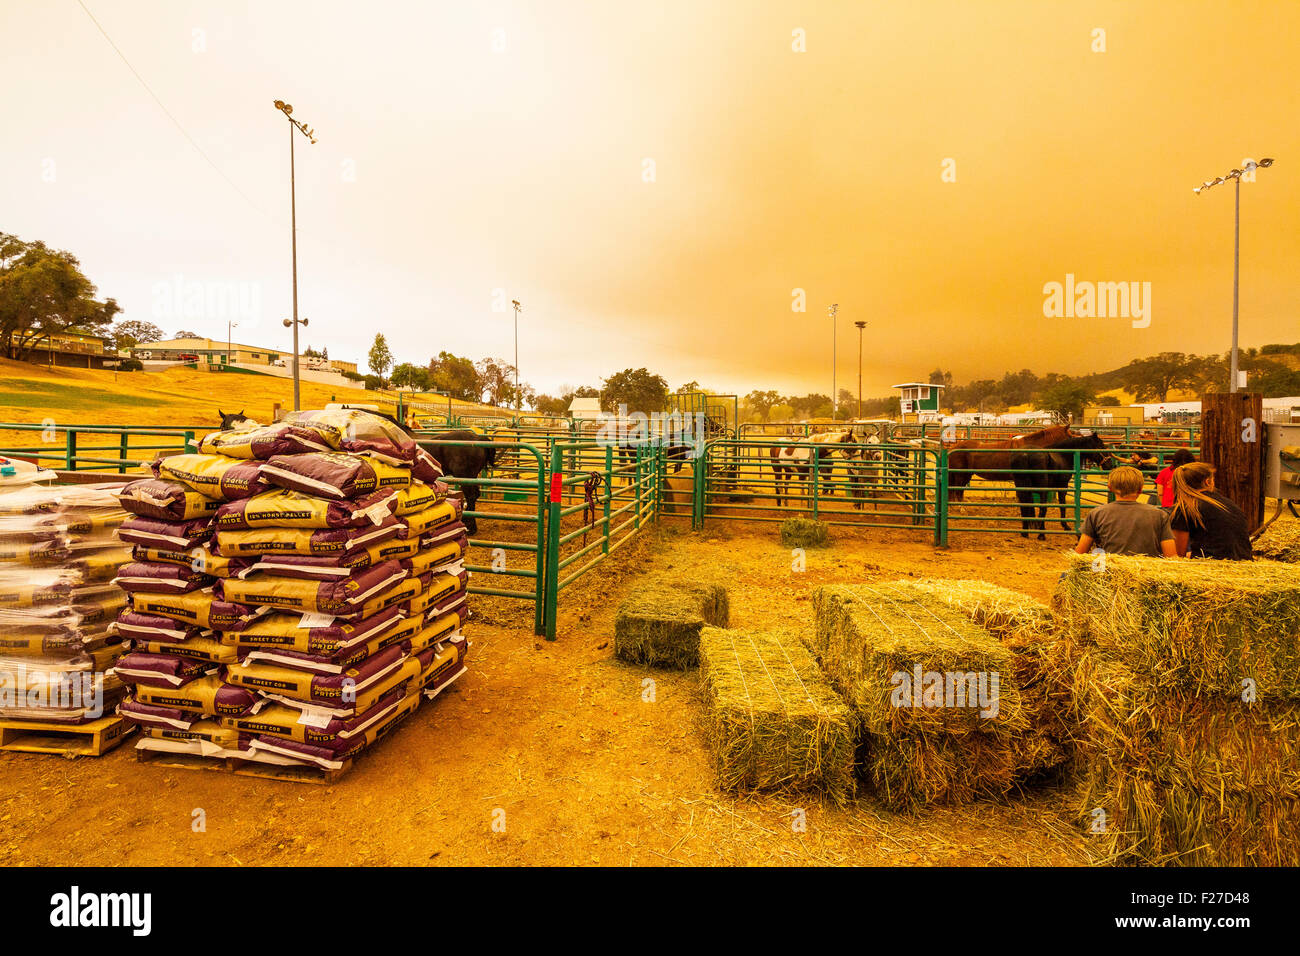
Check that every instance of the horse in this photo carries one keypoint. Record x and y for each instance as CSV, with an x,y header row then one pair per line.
x,y
462,461
236,420
1042,474
991,459
792,459
868,473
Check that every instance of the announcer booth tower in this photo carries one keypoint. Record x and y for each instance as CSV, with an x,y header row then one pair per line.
x,y
919,401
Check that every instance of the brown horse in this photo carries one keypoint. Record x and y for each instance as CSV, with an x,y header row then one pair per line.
x,y
992,459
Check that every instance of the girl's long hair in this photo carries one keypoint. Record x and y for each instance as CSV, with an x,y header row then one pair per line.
x,y
1188,497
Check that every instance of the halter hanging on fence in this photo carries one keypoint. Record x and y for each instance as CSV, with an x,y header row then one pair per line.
x,y
589,488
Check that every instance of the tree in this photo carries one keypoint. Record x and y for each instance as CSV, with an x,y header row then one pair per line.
x,y
1152,379
407,375
812,405
1066,399
551,405
760,402
637,389
456,376
496,381
134,332
380,358
1271,377
186,335
43,292
847,406
780,412
890,407
1018,388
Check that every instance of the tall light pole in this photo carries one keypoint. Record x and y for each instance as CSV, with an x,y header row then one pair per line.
x,y
861,326
287,110
515,303
832,312
229,349
1235,175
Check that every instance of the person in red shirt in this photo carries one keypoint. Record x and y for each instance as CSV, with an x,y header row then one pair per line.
x,y
1165,480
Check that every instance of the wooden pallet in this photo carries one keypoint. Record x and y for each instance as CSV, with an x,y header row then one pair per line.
x,y
93,739
294,773
304,773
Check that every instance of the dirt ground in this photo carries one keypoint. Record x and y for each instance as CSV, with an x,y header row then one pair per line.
x,y
546,753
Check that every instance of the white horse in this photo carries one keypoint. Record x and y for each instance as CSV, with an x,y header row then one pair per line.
x,y
792,458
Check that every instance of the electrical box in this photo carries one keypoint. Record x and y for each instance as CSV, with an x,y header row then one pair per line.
x,y
1282,477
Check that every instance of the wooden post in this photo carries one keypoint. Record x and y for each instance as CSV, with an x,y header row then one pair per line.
x,y
1232,440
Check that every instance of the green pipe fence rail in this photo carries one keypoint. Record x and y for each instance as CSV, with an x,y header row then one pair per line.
x,y
564,504
524,487
899,486
1130,436
895,487
572,505
616,490
81,447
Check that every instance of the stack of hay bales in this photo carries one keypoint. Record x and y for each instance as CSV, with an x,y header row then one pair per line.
x,y
1189,683
941,711
773,722
58,556
290,604
1042,662
1281,542
660,623
804,533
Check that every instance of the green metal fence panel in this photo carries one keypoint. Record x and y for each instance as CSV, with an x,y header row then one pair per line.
x,y
616,491
98,447
518,499
853,483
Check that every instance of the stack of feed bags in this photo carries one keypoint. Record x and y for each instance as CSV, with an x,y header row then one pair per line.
x,y
58,557
296,588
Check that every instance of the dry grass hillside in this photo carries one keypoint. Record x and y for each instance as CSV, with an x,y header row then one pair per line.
x,y
32,394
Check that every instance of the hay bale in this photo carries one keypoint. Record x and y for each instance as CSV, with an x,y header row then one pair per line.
x,y
660,622
1188,769
1043,663
873,639
938,748
907,772
773,722
1208,745
1281,542
1162,824
1197,626
805,533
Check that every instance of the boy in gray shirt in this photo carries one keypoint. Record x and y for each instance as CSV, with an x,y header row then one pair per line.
x,y
1126,525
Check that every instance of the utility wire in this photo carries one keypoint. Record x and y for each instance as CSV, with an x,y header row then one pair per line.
x,y
163,107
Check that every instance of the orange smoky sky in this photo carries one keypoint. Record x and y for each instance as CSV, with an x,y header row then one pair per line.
x,y
655,181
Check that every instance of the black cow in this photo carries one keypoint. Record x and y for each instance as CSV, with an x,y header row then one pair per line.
x,y
462,461
1048,472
